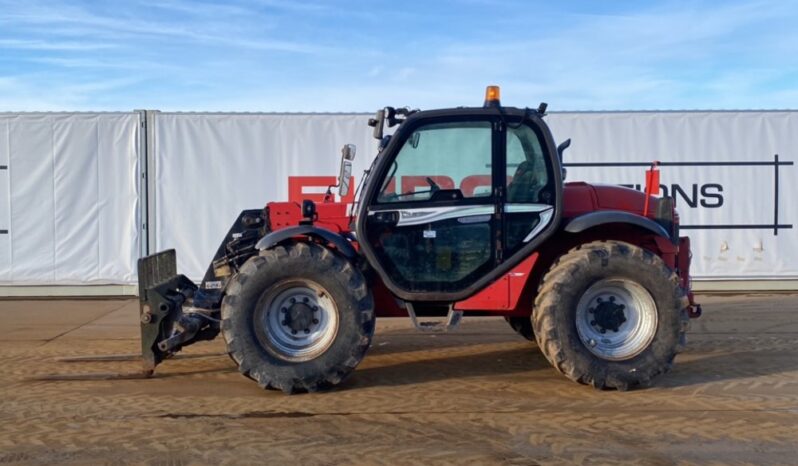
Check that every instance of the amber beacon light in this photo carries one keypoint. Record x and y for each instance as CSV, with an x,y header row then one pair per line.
x,y
492,95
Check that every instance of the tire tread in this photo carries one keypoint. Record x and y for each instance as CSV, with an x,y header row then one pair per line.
x,y
554,286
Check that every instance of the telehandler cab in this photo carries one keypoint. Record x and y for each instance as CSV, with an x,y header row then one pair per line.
x,y
464,211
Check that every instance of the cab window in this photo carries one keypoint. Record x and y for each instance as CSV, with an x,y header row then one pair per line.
x,y
527,171
446,161
529,187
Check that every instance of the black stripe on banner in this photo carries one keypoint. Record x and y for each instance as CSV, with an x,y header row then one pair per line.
x,y
776,195
3,232
775,163
679,164
3,167
736,227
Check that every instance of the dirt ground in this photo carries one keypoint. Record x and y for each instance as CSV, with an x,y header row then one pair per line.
x,y
481,395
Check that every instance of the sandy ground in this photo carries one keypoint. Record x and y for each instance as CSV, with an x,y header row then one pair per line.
x,y
481,395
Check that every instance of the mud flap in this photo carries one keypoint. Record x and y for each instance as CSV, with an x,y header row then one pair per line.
x,y
162,292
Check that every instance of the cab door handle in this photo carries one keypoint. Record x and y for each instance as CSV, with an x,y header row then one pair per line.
x,y
385,218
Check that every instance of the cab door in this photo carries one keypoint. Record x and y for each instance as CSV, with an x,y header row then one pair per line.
x,y
529,193
434,225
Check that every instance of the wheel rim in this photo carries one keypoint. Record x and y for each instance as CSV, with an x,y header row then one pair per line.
x,y
297,321
616,319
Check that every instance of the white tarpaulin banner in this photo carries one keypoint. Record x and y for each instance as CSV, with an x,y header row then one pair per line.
x,y
720,166
210,167
68,198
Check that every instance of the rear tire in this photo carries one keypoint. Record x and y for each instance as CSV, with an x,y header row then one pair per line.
x,y
297,318
522,326
611,315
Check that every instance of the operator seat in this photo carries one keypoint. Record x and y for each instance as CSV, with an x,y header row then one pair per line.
x,y
524,186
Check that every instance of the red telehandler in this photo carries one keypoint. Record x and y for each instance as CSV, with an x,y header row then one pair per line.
x,y
464,211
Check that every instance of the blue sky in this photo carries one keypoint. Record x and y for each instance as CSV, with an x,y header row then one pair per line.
x,y
272,55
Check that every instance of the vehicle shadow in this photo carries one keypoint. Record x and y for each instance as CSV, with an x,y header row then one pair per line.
x,y
734,366
382,346
404,340
518,358
760,358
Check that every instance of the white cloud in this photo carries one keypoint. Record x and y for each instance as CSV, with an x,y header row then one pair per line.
x,y
51,45
308,56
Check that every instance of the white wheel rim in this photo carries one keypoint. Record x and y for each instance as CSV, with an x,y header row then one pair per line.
x,y
616,319
297,321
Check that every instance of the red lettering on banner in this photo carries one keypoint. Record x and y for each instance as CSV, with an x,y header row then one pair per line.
x,y
471,183
391,188
298,184
410,183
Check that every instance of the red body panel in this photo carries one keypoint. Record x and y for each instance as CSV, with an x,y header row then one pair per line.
x,y
331,216
504,293
513,293
580,198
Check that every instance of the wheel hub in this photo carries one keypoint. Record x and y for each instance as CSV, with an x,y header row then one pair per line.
x,y
616,318
299,317
298,320
607,315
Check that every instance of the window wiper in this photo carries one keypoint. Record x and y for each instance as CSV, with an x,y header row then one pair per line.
x,y
432,184
408,193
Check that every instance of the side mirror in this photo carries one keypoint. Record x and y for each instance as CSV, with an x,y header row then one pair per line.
x,y
344,176
348,152
561,148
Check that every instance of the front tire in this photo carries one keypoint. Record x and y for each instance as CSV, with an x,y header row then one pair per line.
x,y
611,315
297,318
